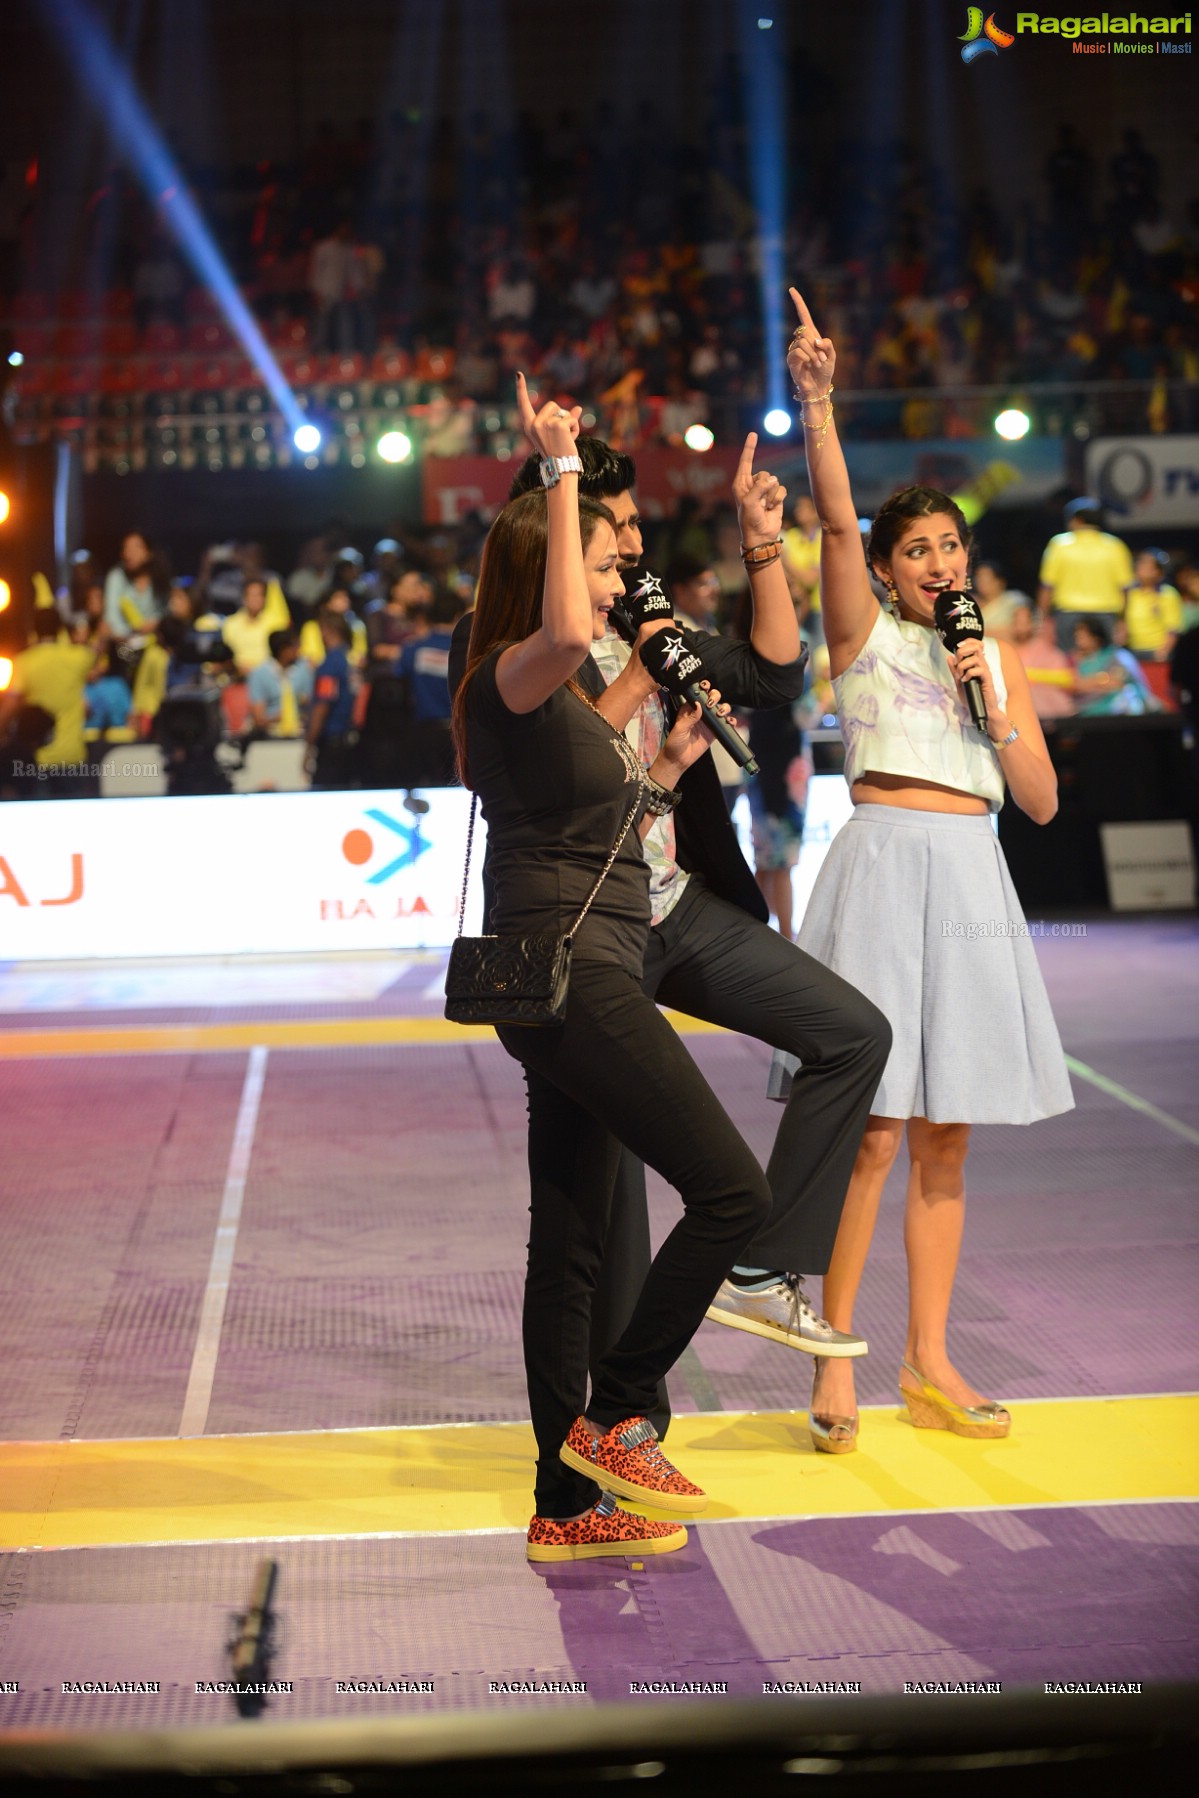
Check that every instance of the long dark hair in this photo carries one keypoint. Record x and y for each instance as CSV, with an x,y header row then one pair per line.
x,y
897,513
511,584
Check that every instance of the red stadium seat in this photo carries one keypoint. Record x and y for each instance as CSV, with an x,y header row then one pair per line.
x,y
391,365
119,339
121,377
211,373
344,368
77,340
160,338
289,333
207,338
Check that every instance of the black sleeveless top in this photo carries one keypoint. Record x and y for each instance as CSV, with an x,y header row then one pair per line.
x,y
555,786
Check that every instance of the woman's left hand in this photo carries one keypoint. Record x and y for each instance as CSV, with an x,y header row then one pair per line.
x,y
689,735
759,499
970,663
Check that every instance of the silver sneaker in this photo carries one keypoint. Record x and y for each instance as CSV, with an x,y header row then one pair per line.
x,y
782,1314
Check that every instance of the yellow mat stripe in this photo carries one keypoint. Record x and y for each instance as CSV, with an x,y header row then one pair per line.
x,y
174,1039
452,1479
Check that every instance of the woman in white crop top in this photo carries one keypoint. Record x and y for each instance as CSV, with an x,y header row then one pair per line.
x,y
914,904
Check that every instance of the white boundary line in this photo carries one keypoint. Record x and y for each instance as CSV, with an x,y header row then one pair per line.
x,y
508,1423
216,1293
809,1517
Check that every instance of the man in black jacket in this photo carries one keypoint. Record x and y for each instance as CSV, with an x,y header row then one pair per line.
x,y
712,955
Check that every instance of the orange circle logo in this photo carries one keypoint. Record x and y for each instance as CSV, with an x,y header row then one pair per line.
x,y
357,847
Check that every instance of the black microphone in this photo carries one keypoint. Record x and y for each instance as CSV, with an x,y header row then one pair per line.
x,y
680,671
956,618
648,600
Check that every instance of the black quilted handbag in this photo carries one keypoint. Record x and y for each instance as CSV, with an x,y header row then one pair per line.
x,y
515,979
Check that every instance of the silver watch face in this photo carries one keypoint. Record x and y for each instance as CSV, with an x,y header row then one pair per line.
x,y
549,474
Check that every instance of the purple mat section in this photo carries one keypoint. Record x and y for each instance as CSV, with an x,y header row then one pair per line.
x,y
1020,1597
380,1249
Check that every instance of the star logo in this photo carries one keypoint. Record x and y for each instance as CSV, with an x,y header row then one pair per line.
x,y
649,587
676,649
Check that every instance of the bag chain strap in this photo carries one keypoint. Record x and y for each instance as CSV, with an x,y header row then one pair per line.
x,y
616,848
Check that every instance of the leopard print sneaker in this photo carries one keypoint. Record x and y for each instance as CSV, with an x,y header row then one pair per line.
x,y
606,1530
628,1460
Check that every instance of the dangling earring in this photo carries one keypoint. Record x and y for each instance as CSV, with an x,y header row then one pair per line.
x,y
892,597
969,585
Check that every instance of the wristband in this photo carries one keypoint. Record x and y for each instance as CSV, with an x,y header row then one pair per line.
x,y
660,801
762,554
1002,742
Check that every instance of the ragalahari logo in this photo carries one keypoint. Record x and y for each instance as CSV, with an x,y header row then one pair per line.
x,y
983,37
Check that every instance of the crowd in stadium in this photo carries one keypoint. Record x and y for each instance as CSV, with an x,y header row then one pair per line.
x,y
650,313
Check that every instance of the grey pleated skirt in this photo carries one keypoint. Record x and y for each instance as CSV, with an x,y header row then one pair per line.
x,y
918,911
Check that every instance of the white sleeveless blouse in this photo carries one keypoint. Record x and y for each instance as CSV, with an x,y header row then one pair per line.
x,y
899,712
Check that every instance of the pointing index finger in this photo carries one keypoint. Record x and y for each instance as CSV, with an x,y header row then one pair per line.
x,y
745,467
805,317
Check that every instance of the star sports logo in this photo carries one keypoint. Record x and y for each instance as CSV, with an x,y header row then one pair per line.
x,y
650,588
675,650
983,37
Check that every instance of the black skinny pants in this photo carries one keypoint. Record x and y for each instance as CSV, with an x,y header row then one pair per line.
x,y
712,960
616,1072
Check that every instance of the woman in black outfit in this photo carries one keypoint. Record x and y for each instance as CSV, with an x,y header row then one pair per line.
x,y
557,781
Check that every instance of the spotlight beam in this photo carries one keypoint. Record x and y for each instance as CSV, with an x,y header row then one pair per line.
x,y
100,73
765,116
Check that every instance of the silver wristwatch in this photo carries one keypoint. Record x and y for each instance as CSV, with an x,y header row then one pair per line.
x,y
554,467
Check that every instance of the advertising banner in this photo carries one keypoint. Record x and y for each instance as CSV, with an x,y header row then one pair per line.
x,y
249,874
266,873
1145,482
456,485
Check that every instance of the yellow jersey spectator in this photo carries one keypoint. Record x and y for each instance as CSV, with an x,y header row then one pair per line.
x,y
312,644
52,675
1153,615
1084,570
248,630
801,555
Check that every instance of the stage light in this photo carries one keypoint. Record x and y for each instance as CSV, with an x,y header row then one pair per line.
x,y
15,359
4,506
5,595
5,673
777,422
698,437
108,85
394,446
1013,424
765,24
306,439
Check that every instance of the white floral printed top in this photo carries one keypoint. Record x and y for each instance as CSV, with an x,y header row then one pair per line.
x,y
899,712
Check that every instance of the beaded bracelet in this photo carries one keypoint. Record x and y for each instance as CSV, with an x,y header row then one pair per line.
x,y
817,399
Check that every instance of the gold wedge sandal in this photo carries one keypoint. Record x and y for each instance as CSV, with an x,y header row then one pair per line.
x,y
930,1409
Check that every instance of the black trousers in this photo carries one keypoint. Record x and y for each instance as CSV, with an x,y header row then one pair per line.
x,y
616,1072
714,961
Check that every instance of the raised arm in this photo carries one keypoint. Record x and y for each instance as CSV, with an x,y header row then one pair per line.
x,y
774,632
848,606
528,672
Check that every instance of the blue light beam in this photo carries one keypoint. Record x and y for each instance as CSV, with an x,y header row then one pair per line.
x,y
103,77
764,112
